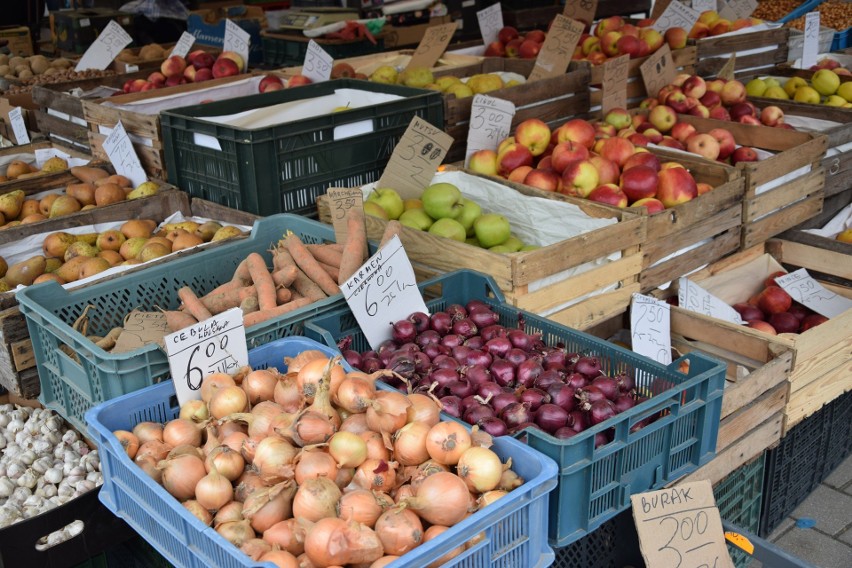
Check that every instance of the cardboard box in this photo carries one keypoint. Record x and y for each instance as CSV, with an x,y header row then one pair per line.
x,y
20,42
75,30
208,27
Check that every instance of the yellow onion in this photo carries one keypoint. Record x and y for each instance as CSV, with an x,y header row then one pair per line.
x,y
200,512
377,475
213,382
259,385
316,499
148,431
281,559
388,411
399,530
333,541
409,444
231,512
181,474
447,441
423,409
236,532
480,468
360,506
214,490
347,449
195,410
437,530
288,535
313,464
270,505
181,431
227,400
273,455
441,499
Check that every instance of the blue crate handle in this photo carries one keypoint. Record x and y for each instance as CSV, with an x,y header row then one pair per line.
x,y
800,11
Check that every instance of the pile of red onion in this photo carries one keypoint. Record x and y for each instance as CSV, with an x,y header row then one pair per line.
x,y
502,379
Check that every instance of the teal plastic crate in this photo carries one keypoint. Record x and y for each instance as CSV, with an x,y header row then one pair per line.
x,y
284,168
281,50
70,386
514,526
739,497
842,40
594,484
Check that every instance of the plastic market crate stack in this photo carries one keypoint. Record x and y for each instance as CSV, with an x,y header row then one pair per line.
x,y
594,484
71,385
514,527
283,168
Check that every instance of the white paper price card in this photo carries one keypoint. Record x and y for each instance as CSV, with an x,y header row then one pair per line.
x,y
490,122
490,22
725,11
676,15
215,345
238,41
742,8
692,297
103,50
318,63
703,6
650,328
184,44
384,290
122,154
805,290
811,46
19,127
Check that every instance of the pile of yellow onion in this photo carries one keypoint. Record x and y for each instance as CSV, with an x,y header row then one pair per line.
x,y
316,468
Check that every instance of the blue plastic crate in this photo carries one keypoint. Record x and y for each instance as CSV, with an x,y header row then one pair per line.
x,y
841,40
72,385
594,484
513,526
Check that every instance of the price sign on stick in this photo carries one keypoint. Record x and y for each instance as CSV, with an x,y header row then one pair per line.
x,y
184,44
811,47
490,122
681,526
650,328
557,49
123,156
112,39
692,297
490,22
676,15
726,12
19,127
215,345
318,63
742,8
703,6
341,200
416,158
614,84
382,291
432,46
805,290
237,40
581,10
658,70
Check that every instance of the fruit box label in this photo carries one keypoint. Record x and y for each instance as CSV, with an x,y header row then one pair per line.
x,y
19,127
104,49
805,290
810,50
557,49
658,70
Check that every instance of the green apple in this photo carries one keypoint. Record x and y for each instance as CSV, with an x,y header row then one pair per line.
x,y
416,219
473,241
374,209
514,243
492,229
442,200
527,248
502,249
389,200
470,211
449,228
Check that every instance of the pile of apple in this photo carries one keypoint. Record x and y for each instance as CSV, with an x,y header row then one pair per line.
x,y
710,23
833,65
613,37
591,161
824,88
197,66
510,43
774,311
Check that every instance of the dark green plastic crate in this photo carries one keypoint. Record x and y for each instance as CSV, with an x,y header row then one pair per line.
x,y
281,51
284,168
739,497
594,484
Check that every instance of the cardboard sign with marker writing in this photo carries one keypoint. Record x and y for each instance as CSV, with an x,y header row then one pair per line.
x,y
342,199
659,7
490,22
112,39
728,69
432,46
141,328
742,8
581,10
557,49
658,70
676,15
490,122
681,526
614,84
416,158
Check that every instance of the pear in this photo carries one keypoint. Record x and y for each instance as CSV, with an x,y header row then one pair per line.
x,y
188,226
92,266
24,272
55,244
3,267
152,251
131,247
88,238
226,232
138,228
64,205
146,189
11,203
80,248
70,270
52,264
46,202
207,230
4,285
55,164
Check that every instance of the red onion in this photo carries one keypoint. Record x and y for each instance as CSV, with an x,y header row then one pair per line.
x,y
548,378
565,432
502,372
475,305
588,366
528,372
461,388
451,405
492,331
385,357
483,318
625,382
456,311
516,413
409,347
477,375
639,425
502,400
516,356
401,362
388,345
600,411
535,397
371,365
440,322
577,420
452,340
522,427
607,385
443,377
493,426
489,388
427,337
498,346
562,395
521,339
353,358
576,381
461,352
420,321
370,353
477,413
553,356
589,394
475,342
422,362
624,402
434,349
445,362
551,417
477,357
469,402
601,439
465,327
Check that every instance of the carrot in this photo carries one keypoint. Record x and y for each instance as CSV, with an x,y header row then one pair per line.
x,y
249,305
241,273
262,281
177,320
228,286
355,248
261,316
193,305
333,271
281,257
223,301
326,255
285,276
240,279
309,265
294,294
308,288
338,247
283,295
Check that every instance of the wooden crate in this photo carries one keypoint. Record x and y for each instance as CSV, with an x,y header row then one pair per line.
x,y
145,126
714,52
767,212
41,182
514,273
366,64
755,390
822,356
18,373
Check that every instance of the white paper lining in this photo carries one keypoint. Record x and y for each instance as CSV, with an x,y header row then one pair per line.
x,y
836,225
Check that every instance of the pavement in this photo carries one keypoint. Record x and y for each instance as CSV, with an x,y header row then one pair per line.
x,y
819,530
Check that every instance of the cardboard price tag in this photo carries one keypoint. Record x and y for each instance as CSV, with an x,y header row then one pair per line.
x,y
703,6
432,46
141,328
490,122
659,7
416,158
383,290
490,22
237,40
692,297
742,8
729,68
215,345
341,200
123,156
658,70
811,47
805,290
614,84
581,10
650,328
103,50
676,15
318,63
681,526
557,49
184,44
19,127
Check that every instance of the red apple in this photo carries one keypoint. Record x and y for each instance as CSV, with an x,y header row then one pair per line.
x,y
173,66
663,118
784,322
629,45
639,182
203,74
720,113
545,162
529,49
619,118
607,170
518,175
297,81
514,156
537,36
810,321
763,326
507,34
137,85
694,87
546,180
617,150
711,99
342,70
270,83
675,37
748,312
513,47
675,186
703,145
534,134
642,159
670,142
682,131
726,141
189,73
202,60
157,78
483,162
579,178
639,140
193,55
742,109
652,37
774,300
743,154
495,49
610,194
225,67
652,204
700,110
703,188
577,130
733,92
566,152
770,280
772,116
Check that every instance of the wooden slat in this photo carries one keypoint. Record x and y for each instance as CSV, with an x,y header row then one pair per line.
x,y
710,46
812,369
816,395
772,375
837,135
738,424
757,206
54,126
762,230
817,253
592,310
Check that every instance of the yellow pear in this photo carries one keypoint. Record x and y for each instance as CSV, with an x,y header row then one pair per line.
x,y
24,272
79,248
88,238
226,232
55,164
11,203
146,189
207,229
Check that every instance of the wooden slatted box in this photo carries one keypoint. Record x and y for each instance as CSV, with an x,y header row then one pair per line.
x,y
771,47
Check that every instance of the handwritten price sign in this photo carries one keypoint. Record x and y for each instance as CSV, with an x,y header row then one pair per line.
x,y
490,122
383,290
742,8
805,290
811,46
341,200
215,345
184,44
123,156
703,6
614,84
432,46
318,63
19,127
582,10
557,49
650,328
692,297
237,40
416,158
490,22
103,50
658,70
676,15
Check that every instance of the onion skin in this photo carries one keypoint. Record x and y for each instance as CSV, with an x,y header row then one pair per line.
x,y
181,474
480,468
334,542
316,499
360,506
446,441
288,535
399,530
409,443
